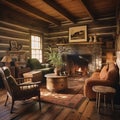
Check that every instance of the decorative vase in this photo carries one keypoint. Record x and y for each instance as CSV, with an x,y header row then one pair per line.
x,y
57,70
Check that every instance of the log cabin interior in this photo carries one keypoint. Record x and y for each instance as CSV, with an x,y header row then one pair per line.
x,y
86,33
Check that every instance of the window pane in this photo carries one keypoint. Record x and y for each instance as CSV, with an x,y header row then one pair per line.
x,y
36,47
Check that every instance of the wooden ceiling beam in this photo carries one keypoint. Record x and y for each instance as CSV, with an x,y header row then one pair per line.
x,y
30,10
118,9
61,10
87,8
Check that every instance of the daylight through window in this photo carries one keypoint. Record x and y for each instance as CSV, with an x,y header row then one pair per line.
x,y
36,47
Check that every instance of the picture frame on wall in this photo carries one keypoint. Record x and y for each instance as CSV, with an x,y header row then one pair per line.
x,y
78,34
13,45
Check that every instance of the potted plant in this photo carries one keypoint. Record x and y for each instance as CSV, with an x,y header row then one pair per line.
x,y
55,59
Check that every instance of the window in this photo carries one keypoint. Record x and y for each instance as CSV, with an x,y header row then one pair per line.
x,y
36,47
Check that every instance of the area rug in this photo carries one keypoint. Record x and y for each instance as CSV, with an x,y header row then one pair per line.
x,y
71,97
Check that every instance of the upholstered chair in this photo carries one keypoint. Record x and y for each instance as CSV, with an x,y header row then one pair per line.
x,y
108,76
17,89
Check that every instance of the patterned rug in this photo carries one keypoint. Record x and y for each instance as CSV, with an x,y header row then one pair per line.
x,y
71,97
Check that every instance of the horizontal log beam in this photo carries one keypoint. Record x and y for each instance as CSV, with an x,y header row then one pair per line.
x,y
61,10
88,10
21,5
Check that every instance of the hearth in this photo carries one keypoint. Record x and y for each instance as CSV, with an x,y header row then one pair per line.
x,y
77,64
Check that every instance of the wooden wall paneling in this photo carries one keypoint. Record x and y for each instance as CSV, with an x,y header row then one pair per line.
x,y
9,15
7,39
14,26
4,41
118,26
99,22
10,32
98,30
108,27
18,27
4,47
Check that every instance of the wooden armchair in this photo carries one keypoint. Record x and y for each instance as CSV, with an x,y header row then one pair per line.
x,y
17,89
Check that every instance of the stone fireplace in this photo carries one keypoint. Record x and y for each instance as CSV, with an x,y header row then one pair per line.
x,y
76,64
81,58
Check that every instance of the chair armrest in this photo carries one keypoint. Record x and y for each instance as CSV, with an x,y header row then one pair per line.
x,y
39,82
22,80
29,83
89,83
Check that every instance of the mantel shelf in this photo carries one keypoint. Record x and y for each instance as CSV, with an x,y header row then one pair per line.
x,y
82,43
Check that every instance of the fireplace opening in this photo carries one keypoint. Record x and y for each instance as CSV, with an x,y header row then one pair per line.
x,y
77,64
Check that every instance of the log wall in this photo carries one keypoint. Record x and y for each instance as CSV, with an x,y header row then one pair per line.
x,y
19,27
15,26
104,29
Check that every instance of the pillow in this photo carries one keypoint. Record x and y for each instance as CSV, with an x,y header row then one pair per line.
x,y
103,73
95,75
34,63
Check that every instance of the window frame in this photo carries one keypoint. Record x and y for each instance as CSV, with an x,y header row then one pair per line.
x,y
40,49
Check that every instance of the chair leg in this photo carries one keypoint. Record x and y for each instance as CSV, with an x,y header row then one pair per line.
x,y
12,106
39,100
6,100
112,102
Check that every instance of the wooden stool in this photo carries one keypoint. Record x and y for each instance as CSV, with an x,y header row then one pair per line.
x,y
105,90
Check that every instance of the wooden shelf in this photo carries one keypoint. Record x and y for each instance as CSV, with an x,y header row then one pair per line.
x,y
81,43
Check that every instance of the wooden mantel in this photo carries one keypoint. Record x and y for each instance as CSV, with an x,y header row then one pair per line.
x,y
81,43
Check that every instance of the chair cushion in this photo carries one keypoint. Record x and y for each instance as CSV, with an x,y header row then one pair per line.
x,y
1,78
7,71
103,73
13,84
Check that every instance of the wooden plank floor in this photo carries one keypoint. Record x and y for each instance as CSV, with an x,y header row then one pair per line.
x,y
30,110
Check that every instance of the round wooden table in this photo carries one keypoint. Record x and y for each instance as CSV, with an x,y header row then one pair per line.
x,y
105,90
55,83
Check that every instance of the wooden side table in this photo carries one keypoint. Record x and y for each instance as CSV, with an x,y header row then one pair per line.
x,y
105,90
55,83
33,76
